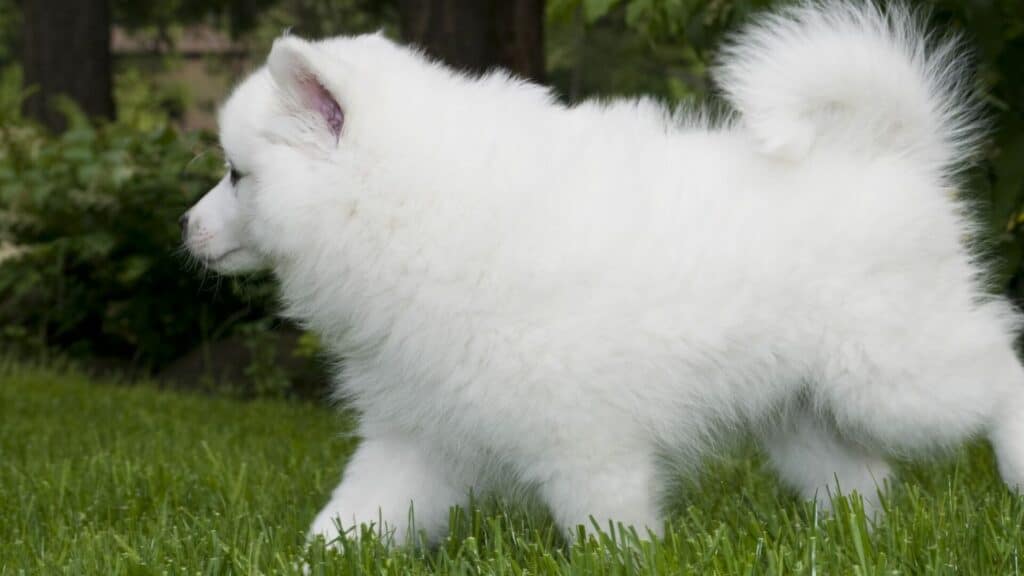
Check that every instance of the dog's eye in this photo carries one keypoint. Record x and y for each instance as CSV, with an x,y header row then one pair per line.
x,y
235,176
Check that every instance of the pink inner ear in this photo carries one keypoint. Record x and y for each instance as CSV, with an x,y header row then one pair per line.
x,y
319,99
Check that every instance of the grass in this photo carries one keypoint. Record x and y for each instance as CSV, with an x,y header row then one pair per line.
x,y
100,478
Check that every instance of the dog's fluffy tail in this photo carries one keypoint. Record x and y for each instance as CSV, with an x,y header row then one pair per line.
x,y
852,76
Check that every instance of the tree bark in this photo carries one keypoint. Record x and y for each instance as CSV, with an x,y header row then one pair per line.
x,y
478,35
66,51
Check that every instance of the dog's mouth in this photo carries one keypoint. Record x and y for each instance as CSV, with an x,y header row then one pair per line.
x,y
212,262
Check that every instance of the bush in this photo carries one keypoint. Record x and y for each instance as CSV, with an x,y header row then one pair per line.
x,y
89,240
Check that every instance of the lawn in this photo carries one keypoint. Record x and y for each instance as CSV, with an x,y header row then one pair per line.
x,y
102,478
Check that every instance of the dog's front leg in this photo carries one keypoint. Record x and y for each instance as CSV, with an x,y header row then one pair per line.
x,y
394,485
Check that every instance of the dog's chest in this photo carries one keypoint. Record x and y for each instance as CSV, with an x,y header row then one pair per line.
x,y
463,403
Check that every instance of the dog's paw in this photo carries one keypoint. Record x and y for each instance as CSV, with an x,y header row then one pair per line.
x,y
331,531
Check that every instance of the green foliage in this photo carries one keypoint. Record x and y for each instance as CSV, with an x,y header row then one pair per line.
x,y
239,15
309,346
322,18
657,48
10,31
145,105
265,370
996,32
594,9
90,239
590,10
132,480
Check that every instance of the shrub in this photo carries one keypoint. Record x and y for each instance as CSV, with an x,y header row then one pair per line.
x,y
89,241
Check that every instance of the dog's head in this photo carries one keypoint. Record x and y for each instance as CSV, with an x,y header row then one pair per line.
x,y
296,161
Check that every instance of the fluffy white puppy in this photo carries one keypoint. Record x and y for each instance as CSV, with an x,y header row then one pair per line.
x,y
576,300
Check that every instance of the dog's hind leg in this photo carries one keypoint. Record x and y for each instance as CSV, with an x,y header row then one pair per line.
x,y
1006,432
955,380
811,458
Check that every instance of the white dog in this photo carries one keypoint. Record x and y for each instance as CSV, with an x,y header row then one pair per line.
x,y
578,301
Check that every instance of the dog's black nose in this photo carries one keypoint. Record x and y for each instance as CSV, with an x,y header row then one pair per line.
x,y
183,222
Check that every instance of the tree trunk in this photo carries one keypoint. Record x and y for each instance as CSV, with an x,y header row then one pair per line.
x,y
67,51
477,35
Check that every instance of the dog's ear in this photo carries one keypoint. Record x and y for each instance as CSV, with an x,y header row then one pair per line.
x,y
298,69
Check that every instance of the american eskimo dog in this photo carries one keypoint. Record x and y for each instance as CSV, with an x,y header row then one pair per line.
x,y
576,300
